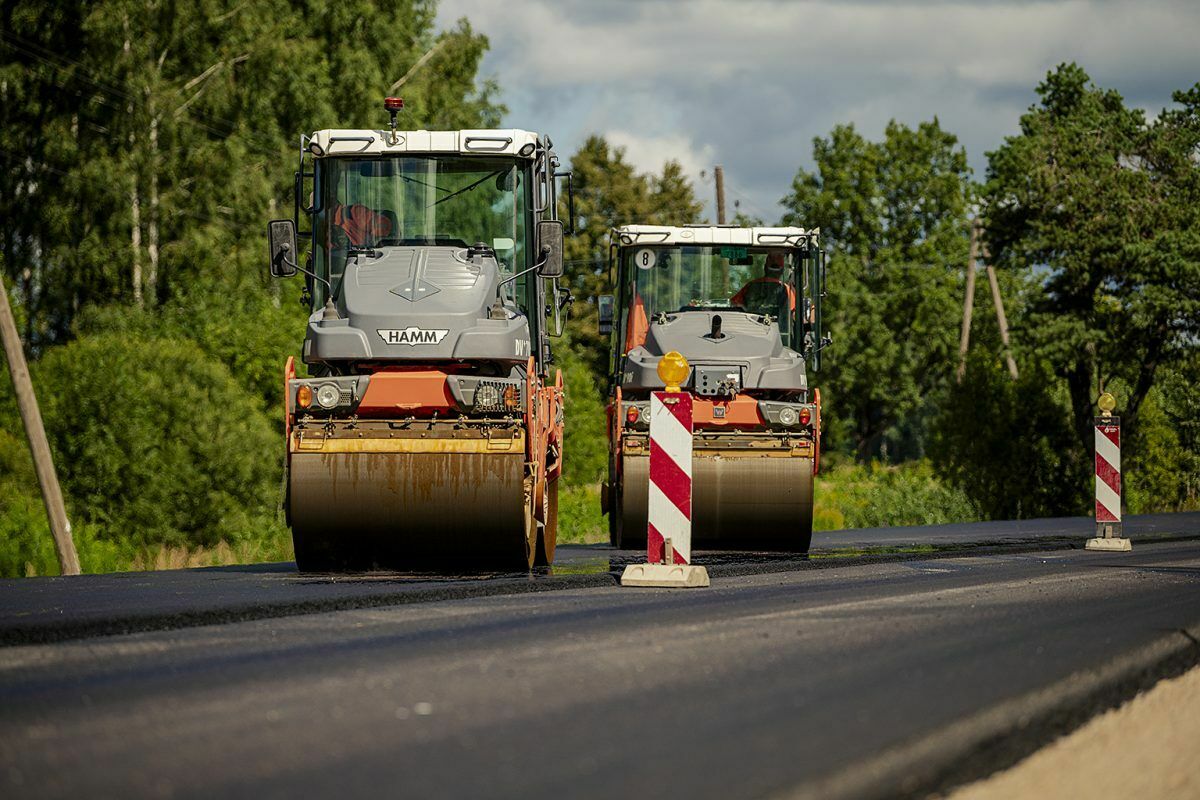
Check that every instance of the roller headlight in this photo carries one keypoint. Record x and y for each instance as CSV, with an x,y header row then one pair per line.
x,y
788,416
487,395
327,395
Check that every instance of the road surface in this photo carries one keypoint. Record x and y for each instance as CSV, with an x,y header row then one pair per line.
x,y
869,679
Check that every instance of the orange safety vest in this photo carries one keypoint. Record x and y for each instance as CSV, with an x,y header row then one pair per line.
x,y
740,298
362,225
639,324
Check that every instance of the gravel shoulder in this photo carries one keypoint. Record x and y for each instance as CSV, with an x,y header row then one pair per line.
x,y
1146,748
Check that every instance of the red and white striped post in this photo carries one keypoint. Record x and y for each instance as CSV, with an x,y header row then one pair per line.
x,y
669,501
1108,481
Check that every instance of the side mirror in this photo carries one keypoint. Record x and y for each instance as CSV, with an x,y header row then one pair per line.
x,y
550,241
604,305
281,233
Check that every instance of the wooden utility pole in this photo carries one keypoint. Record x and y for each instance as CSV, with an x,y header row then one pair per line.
x,y
719,175
43,463
1001,320
964,341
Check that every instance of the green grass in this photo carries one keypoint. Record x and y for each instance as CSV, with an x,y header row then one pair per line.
x,y
579,517
878,496
846,496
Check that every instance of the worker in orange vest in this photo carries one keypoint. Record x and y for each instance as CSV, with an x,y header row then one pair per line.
x,y
772,274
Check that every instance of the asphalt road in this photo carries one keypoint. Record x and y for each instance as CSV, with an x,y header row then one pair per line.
x,y
55,609
874,679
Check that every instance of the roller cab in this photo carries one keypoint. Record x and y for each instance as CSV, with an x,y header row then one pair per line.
x,y
427,430
743,306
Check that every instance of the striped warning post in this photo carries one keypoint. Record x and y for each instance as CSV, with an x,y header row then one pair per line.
x,y
1108,488
669,503
1108,470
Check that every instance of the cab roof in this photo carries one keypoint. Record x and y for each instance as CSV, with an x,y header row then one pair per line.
x,y
713,234
364,142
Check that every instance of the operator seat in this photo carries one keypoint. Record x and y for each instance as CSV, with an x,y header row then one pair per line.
x,y
769,297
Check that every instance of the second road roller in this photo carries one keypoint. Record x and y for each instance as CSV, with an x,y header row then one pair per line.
x,y
428,430
743,307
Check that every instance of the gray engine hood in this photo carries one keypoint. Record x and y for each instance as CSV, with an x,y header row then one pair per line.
x,y
753,348
418,304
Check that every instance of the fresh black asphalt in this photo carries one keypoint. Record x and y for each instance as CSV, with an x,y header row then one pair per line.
x,y
872,679
54,609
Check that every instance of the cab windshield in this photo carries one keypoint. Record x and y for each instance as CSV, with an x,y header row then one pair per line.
x,y
673,279
419,200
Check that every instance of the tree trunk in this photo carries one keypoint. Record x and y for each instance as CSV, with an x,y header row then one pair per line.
x,y
152,221
1079,383
135,236
135,201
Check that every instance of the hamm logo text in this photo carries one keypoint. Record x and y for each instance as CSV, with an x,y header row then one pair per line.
x,y
414,336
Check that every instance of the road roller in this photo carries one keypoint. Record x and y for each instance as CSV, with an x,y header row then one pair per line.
x,y
427,429
743,307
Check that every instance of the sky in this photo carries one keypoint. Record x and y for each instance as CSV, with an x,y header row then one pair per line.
x,y
748,84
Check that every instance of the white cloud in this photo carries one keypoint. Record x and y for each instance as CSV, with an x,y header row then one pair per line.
x,y
650,153
750,83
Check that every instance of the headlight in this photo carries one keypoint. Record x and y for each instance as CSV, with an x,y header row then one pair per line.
x,y
304,397
487,395
788,416
327,395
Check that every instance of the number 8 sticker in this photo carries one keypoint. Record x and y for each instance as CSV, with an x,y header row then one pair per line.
x,y
645,258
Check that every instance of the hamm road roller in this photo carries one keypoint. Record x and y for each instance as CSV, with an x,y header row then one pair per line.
x,y
429,429
743,307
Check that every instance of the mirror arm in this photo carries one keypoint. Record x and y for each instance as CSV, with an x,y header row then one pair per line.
x,y
308,272
539,265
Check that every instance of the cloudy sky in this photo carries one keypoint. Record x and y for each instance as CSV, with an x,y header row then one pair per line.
x,y
749,83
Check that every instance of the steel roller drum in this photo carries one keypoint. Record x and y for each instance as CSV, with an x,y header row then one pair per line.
x,y
738,502
401,510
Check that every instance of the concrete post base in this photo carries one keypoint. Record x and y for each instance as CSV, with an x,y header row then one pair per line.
x,y
667,576
1113,545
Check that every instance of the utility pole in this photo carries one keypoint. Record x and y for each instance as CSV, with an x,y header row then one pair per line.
x,y
1001,320
964,341
719,175
60,526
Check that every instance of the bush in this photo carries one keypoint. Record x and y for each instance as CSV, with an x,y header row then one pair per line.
x,y
585,458
878,496
1009,446
26,547
157,444
1156,468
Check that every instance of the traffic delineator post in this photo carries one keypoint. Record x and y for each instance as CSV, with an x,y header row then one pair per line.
x,y
669,500
1108,481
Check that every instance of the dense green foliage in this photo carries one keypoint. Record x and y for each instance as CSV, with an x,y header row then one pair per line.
x,y
895,215
1107,206
144,145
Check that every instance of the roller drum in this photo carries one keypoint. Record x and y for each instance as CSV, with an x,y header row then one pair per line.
x,y
738,502
405,510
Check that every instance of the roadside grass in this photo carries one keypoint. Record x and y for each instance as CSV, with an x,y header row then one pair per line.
x,y
850,495
847,496
579,517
